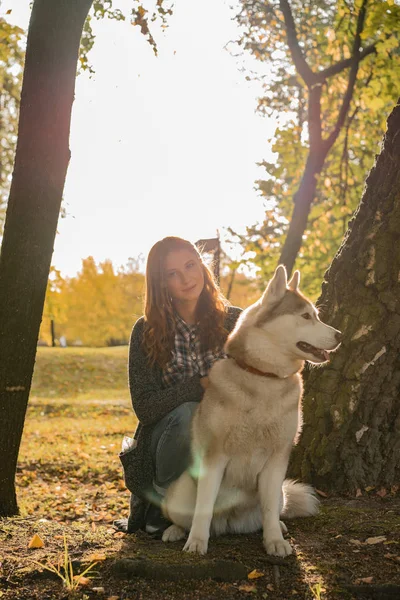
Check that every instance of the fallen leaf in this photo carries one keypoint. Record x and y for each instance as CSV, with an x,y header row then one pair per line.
x,y
375,540
113,598
98,590
369,488
82,580
36,542
321,493
358,493
255,574
119,534
382,492
390,542
392,556
364,580
356,542
246,587
96,557
9,11
270,587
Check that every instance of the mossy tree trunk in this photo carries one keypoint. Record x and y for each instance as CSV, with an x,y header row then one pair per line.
x,y
40,168
351,436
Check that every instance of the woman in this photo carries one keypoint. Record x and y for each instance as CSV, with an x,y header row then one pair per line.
x,y
172,349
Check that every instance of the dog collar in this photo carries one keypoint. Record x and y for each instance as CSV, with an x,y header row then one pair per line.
x,y
253,370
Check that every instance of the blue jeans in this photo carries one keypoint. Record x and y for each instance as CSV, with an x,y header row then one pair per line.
x,y
170,445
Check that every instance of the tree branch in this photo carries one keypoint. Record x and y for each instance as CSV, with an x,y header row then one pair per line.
x,y
355,62
323,75
296,53
314,117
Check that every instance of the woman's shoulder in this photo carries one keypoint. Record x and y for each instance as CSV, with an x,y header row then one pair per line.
x,y
137,331
233,311
231,316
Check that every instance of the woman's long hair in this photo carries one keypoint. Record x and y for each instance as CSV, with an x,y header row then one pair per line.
x,y
159,330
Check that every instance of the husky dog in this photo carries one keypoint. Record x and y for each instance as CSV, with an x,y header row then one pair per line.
x,y
243,429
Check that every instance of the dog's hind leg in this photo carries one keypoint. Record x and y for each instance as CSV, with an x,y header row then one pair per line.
x,y
174,533
180,501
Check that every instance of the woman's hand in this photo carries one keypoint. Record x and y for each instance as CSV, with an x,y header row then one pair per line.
x,y
204,382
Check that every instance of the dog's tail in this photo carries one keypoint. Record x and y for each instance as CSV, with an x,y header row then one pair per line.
x,y
299,500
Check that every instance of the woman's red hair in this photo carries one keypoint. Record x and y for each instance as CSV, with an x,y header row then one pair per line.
x,y
159,328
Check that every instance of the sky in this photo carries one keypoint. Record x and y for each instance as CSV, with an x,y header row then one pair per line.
x,y
163,145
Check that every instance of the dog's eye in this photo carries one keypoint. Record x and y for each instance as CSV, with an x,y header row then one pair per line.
x,y
306,316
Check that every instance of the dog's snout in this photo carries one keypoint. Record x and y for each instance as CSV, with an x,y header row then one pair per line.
x,y
338,336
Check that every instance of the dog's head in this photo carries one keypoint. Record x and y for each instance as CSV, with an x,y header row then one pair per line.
x,y
282,321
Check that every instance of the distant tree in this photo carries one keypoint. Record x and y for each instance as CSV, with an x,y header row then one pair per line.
x,y
332,72
11,64
97,307
351,434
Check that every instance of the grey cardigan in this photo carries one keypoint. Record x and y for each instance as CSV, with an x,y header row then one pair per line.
x,y
151,402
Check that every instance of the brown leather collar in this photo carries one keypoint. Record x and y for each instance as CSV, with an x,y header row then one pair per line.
x,y
253,370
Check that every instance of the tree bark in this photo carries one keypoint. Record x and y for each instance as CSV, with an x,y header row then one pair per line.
x,y
351,436
41,163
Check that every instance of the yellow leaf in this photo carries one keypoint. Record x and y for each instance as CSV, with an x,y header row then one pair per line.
x,y
36,542
82,580
96,556
255,574
375,540
246,587
363,580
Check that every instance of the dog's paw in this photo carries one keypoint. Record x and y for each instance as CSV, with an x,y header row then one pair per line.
x,y
283,527
196,545
174,533
279,547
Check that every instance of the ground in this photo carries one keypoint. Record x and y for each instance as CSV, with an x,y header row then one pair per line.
x,y
70,486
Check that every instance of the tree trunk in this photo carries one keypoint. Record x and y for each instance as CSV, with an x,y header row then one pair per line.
x,y
351,437
41,163
302,205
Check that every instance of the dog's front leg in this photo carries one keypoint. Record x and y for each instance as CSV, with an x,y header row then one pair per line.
x,y
270,489
209,482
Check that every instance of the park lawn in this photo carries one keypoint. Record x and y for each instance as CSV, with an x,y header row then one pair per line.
x,y
93,373
69,483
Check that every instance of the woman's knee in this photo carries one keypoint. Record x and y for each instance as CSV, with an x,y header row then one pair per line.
x,y
183,413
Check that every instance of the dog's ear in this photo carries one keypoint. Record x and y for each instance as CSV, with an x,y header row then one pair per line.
x,y
294,282
276,288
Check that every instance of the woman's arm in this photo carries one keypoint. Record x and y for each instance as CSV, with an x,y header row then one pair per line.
x,y
150,402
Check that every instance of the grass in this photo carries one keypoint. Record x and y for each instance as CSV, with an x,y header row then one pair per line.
x,y
81,373
78,413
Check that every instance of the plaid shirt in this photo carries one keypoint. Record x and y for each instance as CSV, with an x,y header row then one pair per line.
x,y
188,359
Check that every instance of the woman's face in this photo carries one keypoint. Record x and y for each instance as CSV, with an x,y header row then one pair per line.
x,y
183,275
